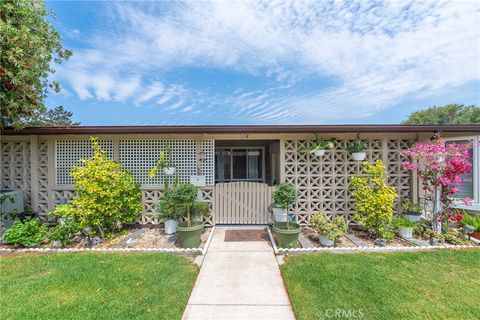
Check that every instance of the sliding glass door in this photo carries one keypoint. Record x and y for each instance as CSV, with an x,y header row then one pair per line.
x,y
240,164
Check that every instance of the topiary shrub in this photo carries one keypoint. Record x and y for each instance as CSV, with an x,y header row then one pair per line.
x,y
375,199
185,196
29,233
106,196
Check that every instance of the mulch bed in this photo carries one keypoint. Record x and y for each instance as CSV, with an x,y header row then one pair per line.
x,y
245,235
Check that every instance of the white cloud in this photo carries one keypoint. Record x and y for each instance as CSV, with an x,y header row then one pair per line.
x,y
153,90
378,53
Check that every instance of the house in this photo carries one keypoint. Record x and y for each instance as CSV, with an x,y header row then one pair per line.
x,y
239,164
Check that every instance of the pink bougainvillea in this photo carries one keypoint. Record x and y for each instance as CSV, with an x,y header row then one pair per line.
x,y
440,166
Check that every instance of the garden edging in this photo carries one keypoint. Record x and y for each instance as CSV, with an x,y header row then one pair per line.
x,y
281,251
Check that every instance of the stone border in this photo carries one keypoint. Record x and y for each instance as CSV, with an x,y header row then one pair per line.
x,y
186,251
179,251
282,251
207,244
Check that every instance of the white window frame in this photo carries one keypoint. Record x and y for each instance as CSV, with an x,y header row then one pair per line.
x,y
476,173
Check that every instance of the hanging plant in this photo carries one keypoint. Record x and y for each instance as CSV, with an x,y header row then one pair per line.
x,y
164,162
357,149
319,147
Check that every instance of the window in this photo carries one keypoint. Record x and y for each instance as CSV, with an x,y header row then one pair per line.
x,y
470,182
239,164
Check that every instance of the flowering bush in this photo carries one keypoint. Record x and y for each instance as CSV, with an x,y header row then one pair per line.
x,y
375,199
107,197
440,166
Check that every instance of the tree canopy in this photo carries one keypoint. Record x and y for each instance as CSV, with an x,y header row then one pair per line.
x,y
449,114
29,46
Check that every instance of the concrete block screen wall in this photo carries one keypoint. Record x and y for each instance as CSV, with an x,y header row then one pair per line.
x,y
39,162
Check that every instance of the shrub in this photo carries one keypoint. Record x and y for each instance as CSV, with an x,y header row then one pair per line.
x,y
64,231
106,195
375,199
28,233
284,195
410,207
185,196
401,222
167,208
331,229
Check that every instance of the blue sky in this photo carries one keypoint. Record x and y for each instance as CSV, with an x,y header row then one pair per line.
x,y
266,62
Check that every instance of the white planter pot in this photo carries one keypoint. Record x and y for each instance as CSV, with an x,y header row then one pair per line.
x,y
358,156
170,226
319,153
169,170
279,214
198,181
405,232
325,242
412,217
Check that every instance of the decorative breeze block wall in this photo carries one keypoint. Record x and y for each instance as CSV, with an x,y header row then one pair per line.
x,y
15,167
323,182
138,157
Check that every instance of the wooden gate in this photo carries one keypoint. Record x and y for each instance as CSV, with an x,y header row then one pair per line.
x,y
241,202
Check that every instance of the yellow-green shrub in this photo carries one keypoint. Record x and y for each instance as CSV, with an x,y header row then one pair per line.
x,y
106,195
375,199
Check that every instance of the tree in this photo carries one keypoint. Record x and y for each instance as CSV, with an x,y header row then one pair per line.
x,y
29,46
440,166
53,117
449,114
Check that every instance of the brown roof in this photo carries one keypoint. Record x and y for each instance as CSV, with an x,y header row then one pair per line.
x,y
242,129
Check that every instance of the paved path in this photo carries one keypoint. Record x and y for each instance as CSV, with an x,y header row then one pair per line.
x,y
239,280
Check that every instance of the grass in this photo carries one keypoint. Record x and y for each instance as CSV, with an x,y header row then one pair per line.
x,y
421,285
95,286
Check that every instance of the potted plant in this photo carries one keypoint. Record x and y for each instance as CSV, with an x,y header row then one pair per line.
x,y
200,210
319,147
404,227
282,193
357,149
165,162
185,197
472,224
328,230
286,232
411,211
167,210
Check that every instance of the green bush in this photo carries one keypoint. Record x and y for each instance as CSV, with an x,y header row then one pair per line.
x,y
107,197
28,233
185,196
284,195
402,222
64,231
375,199
331,229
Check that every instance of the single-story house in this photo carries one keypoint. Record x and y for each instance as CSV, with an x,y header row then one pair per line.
x,y
240,164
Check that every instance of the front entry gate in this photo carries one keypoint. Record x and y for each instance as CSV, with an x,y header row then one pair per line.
x,y
242,202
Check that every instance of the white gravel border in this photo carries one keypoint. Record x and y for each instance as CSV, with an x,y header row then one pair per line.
x,y
187,251
282,251
179,251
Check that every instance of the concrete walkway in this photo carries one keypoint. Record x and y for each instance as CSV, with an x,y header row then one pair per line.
x,y
239,280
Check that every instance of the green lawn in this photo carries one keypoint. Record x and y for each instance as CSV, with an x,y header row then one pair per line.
x,y
421,285
95,286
